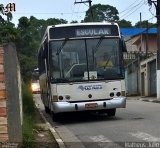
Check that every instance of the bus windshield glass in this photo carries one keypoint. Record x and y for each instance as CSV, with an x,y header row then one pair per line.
x,y
85,59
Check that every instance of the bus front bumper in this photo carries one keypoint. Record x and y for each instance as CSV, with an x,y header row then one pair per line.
x,y
59,107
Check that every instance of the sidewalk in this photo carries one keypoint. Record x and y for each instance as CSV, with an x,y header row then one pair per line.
x,y
141,98
40,107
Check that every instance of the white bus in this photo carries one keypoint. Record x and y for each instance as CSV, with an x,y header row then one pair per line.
x,y
73,76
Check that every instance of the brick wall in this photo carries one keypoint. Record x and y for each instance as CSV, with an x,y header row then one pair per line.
x,y
3,107
10,96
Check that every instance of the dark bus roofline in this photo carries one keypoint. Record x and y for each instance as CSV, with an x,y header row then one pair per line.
x,y
81,24
46,34
78,38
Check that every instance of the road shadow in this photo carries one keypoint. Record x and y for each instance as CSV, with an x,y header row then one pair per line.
x,y
82,117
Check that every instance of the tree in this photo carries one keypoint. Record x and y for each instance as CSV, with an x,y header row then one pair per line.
x,y
124,23
143,24
9,14
72,22
30,33
102,13
7,29
54,21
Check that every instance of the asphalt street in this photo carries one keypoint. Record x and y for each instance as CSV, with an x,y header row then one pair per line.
x,y
135,126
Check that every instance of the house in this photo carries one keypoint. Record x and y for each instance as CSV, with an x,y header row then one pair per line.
x,y
140,73
140,39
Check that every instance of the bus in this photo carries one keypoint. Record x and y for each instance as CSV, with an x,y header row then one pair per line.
x,y
71,80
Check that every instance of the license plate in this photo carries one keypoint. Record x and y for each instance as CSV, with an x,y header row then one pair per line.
x,y
91,105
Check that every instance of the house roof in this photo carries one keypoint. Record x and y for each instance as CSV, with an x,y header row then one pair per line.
x,y
126,32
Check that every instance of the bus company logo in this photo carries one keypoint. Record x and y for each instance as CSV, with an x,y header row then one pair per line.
x,y
89,87
10,7
81,87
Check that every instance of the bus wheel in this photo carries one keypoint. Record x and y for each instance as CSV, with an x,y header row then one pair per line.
x,y
111,112
55,116
47,110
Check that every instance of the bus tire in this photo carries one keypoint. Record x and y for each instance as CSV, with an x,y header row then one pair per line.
x,y
47,110
111,112
55,116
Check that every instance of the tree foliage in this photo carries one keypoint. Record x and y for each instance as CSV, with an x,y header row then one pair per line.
x,y
74,21
29,32
27,37
143,24
101,13
124,23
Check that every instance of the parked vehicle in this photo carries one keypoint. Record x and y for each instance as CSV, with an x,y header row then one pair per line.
x,y
35,87
72,76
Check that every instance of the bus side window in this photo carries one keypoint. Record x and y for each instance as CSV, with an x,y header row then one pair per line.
x,y
41,62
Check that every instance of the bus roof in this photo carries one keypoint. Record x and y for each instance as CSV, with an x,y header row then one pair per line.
x,y
81,24
77,24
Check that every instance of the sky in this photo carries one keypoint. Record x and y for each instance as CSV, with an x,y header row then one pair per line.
x,y
66,9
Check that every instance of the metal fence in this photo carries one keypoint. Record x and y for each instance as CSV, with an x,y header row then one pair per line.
x,y
135,54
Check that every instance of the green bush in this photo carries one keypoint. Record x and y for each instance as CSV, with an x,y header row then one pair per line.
x,y
28,137
28,103
28,117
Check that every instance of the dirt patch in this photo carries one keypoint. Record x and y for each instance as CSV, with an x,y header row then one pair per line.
x,y
42,135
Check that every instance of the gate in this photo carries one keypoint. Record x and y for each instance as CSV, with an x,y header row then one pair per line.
x,y
153,82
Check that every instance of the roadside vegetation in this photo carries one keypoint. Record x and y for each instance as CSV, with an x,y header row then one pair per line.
x,y
35,132
28,117
27,34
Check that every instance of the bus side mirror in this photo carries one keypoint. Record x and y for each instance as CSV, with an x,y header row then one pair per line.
x,y
44,56
45,50
123,45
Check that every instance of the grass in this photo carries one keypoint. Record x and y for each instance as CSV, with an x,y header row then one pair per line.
x,y
33,125
28,117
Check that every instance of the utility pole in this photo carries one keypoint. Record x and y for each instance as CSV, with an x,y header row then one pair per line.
x,y
158,50
141,28
146,39
158,42
90,6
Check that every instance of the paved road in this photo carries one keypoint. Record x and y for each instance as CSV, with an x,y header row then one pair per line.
x,y
139,122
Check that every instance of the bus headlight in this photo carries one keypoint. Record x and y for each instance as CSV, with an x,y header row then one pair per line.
x,y
118,94
111,94
68,97
60,97
35,87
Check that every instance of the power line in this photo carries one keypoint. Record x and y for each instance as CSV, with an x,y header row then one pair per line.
x,y
72,11
143,30
78,10
90,6
126,15
132,8
129,7
61,13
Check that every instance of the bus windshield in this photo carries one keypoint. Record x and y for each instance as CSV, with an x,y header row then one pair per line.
x,y
85,59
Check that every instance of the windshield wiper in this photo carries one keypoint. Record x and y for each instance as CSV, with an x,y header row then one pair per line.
x,y
98,44
63,44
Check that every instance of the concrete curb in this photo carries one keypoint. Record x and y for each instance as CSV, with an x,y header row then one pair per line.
x,y
146,100
52,130
150,100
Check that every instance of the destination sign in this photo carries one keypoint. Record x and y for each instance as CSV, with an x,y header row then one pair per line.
x,y
83,31
93,32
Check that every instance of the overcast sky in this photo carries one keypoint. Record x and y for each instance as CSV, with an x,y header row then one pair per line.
x,y
66,9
